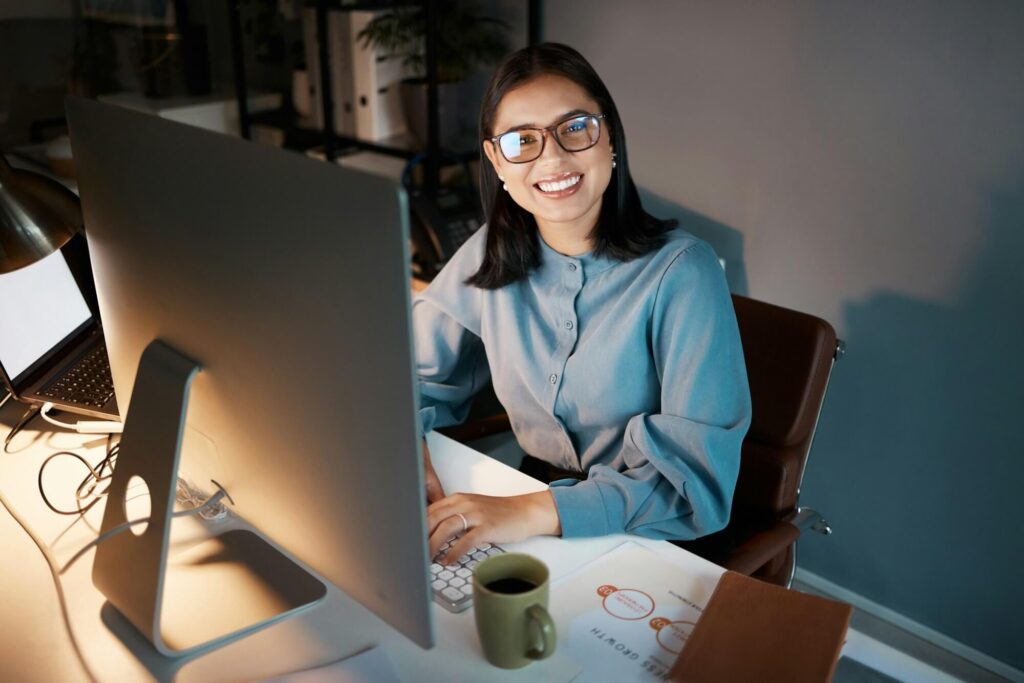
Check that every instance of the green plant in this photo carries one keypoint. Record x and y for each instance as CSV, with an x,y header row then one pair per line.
x,y
465,38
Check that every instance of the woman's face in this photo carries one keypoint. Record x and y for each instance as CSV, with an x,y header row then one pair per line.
x,y
562,190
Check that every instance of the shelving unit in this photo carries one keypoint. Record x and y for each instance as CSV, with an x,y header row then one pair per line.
x,y
328,138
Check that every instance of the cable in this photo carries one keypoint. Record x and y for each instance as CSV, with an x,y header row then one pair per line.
x,y
26,417
5,399
55,573
83,426
95,477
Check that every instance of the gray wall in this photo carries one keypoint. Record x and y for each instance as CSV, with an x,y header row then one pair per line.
x,y
863,161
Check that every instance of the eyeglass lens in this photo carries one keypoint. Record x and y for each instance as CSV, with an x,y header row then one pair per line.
x,y
574,135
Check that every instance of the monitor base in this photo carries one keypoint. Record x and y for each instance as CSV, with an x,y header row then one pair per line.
x,y
208,590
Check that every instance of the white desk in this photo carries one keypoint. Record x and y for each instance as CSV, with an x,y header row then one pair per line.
x,y
34,645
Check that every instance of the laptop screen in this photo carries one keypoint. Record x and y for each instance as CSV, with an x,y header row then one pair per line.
x,y
40,306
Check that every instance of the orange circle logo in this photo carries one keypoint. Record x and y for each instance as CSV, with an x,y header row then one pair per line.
x,y
628,604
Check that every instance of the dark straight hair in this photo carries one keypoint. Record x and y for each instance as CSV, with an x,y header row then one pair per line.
x,y
624,230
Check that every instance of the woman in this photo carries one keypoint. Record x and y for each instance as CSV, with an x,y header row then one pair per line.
x,y
608,335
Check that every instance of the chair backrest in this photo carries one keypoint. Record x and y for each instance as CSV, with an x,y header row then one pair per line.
x,y
789,358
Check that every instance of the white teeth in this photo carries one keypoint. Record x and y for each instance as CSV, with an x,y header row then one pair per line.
x,y
560,185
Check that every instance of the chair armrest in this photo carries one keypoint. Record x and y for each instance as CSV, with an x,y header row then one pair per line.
x,y
756,551
478,429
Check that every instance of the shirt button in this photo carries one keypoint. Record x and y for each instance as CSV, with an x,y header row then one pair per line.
x,y
572,266
553,378
568,324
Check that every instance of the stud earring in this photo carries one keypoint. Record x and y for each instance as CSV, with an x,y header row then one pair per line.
x,y
504,185
613,160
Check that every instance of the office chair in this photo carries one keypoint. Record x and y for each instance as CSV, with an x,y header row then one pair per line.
x,y
789,357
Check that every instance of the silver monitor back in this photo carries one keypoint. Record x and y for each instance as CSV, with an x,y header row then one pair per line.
x,y
287,279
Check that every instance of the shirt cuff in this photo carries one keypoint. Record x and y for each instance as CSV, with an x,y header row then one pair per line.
x,y
583,510
428,418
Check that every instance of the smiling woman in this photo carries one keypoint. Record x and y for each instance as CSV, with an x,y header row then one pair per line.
x,y
608,335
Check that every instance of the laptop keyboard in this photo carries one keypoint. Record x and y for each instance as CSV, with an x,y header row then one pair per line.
x,y
453,584
86,383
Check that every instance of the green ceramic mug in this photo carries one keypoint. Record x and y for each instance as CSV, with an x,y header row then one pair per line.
x,y
510,599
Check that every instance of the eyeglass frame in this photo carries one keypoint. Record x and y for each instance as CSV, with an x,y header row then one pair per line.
x,y
543,136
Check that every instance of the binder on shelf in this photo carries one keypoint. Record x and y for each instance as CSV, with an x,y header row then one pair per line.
x,y
376,81
377,164
339,51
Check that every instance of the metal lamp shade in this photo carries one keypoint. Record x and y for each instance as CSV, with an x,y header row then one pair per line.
x,y
38,216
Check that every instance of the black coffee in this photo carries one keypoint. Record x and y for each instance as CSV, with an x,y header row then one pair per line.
x,y
511,586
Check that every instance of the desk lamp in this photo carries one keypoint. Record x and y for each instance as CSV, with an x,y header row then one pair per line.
x,y
38,216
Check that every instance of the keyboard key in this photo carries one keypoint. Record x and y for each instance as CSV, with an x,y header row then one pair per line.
x,y
435,568
467,589
439,585
479,557
494,551
452,594
446,575
463,573
457,581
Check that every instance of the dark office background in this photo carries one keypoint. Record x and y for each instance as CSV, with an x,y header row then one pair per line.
x,y
863,161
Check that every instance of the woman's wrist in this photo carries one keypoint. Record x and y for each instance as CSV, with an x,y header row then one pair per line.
x,y
543,513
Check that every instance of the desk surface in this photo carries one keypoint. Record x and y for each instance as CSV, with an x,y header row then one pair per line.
x,y
35,645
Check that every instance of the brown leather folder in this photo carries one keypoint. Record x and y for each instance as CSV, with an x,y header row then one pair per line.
x,y
755,631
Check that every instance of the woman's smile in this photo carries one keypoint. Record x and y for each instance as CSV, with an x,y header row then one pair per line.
x,y
559,186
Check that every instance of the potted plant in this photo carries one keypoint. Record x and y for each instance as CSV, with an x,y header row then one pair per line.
x,y
465,40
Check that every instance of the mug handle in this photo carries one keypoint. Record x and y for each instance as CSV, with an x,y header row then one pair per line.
x,y
547,632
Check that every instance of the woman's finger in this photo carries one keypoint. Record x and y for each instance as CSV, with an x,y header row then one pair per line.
x,y
444,508
446,530
465,544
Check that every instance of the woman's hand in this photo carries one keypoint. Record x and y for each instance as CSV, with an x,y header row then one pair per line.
x,y
434,490
489,519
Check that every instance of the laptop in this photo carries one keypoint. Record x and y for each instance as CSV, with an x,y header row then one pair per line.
x,y
51,346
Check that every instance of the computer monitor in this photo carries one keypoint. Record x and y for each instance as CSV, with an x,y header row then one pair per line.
x,y
286,282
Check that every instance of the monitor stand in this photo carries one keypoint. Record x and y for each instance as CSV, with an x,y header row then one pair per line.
x,y
204,592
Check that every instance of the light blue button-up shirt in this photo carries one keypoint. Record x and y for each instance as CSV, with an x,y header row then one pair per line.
x,y
631,372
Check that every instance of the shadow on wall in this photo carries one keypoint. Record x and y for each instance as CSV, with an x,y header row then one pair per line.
x,y
727,242
918,461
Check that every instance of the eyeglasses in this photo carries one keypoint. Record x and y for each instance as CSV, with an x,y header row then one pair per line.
x,y
574,134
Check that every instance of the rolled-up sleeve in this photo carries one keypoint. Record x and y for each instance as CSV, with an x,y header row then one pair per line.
x,y
677,468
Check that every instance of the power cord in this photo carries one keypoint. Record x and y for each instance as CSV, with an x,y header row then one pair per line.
x,y
5,399
83,426
26,417
89,484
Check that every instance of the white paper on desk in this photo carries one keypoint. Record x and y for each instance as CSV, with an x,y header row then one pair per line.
x,y
371,666
626,615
